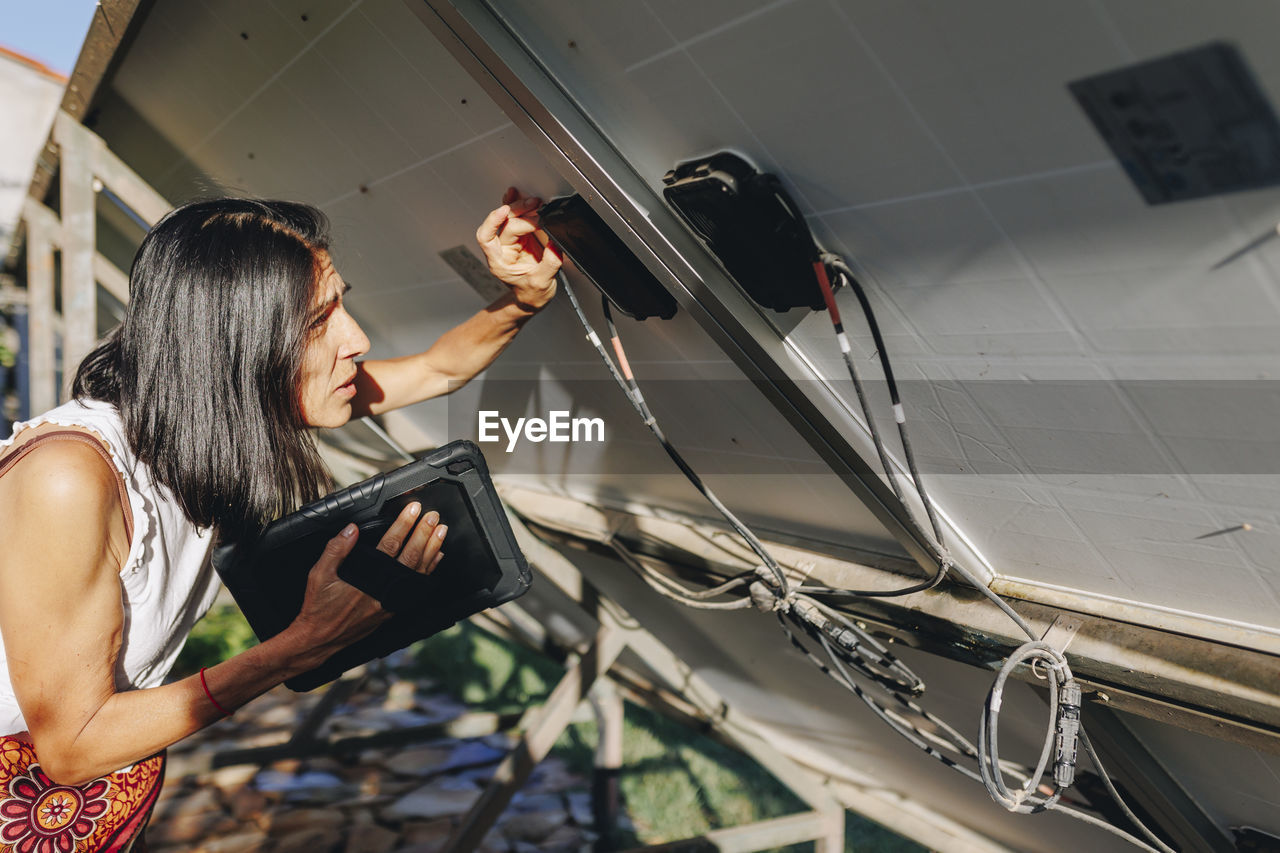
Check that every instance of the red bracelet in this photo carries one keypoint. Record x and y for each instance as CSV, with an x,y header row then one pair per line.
x,y
205,685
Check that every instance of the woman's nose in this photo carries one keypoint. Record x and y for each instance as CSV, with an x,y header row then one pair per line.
x,y
355,342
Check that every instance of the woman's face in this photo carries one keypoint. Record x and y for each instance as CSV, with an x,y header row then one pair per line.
x,y
329,363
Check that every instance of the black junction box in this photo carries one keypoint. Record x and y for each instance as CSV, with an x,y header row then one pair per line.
x,y
750,223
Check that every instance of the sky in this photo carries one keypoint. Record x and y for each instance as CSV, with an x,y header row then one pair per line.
x,y
50,31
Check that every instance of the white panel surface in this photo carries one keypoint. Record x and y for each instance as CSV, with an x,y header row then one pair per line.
x,y
935,145
361,111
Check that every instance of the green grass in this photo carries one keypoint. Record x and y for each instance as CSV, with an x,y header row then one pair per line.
x,y
221,634
675,783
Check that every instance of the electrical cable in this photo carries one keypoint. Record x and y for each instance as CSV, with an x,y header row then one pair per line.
x,y
632,390
1115,795
784,601
899,413
915,737
669,588
833,310
988,732
907,681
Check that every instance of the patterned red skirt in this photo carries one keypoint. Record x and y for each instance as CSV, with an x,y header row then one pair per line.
x,y
107,815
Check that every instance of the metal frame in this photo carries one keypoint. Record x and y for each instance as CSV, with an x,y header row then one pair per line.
x,y
1152,787
565,135
1223,691
617,631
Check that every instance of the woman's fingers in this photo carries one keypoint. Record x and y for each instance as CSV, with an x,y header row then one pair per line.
x,y
425,562
551,259
398,533
337,549
420,540
487,233
517,216
519,200
416,547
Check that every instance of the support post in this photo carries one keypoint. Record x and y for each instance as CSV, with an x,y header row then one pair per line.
x,y
41,361
606,701
22,323
749,736
79,238
545,728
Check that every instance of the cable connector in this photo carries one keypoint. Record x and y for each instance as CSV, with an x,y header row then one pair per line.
x,y
838,634
1068,734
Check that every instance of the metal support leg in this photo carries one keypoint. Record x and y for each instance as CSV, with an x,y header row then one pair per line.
x,y
606,701
745,732
831,839
546,726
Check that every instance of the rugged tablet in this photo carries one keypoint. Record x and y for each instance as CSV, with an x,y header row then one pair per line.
x,y
482,566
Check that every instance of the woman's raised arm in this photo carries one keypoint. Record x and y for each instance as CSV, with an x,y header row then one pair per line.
x,y
520,255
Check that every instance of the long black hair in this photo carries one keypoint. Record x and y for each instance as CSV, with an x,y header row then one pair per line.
x,y
205,367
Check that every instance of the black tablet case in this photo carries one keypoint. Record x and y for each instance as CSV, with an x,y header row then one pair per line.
x,y
482,566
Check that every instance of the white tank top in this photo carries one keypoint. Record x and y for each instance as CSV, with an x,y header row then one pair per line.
x,y
167,582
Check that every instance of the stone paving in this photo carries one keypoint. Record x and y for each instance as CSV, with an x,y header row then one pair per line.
x,y
403,799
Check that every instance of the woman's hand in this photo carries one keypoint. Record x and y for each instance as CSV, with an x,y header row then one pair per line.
x,y
334,613
519,253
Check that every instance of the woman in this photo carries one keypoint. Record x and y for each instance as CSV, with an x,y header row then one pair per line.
x,y
189,424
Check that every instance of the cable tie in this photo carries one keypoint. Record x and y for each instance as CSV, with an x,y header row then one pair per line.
x,y
764,599
844,342
899,414
1036,669
594,338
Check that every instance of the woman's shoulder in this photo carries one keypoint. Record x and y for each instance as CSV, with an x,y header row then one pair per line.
x,y
71,471
61,488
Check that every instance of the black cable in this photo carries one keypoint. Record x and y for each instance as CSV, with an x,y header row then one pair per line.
x,y
899,414
784,602
938,548
637,402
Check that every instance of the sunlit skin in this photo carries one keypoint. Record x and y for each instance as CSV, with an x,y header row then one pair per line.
x,y
63,530
327,383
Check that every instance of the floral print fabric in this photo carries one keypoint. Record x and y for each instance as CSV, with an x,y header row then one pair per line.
x,y
106,815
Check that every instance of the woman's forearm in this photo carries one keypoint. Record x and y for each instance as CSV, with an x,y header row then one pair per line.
x,y
134,724
129,726
452,361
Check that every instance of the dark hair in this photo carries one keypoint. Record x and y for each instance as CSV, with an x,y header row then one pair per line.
x,y
205,367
